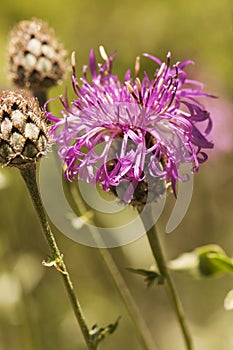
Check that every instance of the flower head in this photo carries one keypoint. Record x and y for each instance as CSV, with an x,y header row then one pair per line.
x,y
128,134
24,131
37,59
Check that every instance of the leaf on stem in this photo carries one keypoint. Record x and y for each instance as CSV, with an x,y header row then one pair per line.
x,y
151,276
54,263
98,334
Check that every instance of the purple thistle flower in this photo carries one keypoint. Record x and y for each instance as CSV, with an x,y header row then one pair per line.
x,y
128,132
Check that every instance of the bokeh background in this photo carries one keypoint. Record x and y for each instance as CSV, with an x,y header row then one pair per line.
x,y
34,310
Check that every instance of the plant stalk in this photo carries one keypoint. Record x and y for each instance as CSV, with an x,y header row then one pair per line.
x,y
143,333
28,173
159,256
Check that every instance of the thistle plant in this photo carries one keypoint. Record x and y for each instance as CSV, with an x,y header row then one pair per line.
x,y
133,136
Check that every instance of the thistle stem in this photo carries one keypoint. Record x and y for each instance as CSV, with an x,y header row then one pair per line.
x,y
159,256
143,333
29,175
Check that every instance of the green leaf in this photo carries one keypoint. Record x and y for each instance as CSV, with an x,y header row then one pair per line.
x,y
228,301
205,261
213,260
98,334
151,276
222,262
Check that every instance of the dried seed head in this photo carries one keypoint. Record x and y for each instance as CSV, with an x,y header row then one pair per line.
x,y
37,59
23,129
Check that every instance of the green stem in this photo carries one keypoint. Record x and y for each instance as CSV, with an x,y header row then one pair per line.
x,y
158,254
143,333
29,175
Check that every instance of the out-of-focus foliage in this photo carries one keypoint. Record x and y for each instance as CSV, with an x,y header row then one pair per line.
x,y
34,309
205,261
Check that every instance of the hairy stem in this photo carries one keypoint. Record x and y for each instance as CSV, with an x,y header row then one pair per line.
x,y
143,333
29,175
158,254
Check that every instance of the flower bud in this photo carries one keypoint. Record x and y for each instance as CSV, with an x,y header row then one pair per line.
x,y
148,189
24,132
205,261
37,58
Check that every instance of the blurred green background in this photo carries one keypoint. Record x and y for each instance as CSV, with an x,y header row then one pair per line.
x,y
34,310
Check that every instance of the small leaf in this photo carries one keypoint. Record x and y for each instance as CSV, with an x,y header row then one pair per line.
x,y
150,276
228,301
49,263
98,334
54,263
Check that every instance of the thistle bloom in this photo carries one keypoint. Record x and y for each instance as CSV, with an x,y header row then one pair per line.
x,y
145,129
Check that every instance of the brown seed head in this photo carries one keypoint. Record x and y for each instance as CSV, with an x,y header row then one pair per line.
x,y
24,133
37,59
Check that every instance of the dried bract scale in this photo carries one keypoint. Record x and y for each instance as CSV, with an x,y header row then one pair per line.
x,y
24,131
37,59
